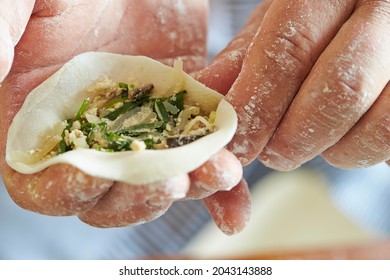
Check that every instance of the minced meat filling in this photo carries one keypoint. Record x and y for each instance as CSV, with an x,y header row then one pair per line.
x,y
123,117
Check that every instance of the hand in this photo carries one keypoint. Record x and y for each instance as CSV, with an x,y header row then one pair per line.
x,y
51,33
315,80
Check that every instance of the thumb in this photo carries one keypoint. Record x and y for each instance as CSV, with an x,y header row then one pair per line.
x,y
14,16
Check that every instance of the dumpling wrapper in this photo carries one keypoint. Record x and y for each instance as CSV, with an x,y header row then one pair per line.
x,y
60,96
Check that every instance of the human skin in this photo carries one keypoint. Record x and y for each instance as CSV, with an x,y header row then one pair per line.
x,y
306,78
38,37
310,78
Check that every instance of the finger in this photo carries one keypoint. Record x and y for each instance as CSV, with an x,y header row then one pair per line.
x,y
59,191
49,192
343,84
230,210
14,16
224,68
222,171
127,204
368,142
291,37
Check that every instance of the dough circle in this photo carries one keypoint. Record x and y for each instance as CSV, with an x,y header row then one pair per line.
x,y
59,97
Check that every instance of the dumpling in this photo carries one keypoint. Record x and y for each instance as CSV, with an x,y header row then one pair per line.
x,y
175,126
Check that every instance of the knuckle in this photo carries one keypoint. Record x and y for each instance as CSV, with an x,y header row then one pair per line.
x,y
378,8
293,48
362,148
349,91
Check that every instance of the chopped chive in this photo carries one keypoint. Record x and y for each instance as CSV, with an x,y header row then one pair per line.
x,y
62,146
114,101
69,123
124,85
112,136
149,143
126,107
119,145
82,109
160,110
178,100
171,108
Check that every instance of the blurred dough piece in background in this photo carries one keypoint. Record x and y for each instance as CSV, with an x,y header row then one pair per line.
x,y
290,211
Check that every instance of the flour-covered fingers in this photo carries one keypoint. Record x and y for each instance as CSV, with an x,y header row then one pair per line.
x,y
59,190
226,65
368,142
346,80
230,210
222,171
292,36
127,204
14,16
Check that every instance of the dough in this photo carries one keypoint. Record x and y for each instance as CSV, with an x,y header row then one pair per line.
x,y
59,97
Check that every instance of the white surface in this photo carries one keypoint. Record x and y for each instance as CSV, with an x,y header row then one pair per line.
x,y
290,211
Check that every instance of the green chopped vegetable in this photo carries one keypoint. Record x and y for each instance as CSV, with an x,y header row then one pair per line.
x,y
82,109
124,85
133,116
171,108
114,101
62,146
117,146
126,107
149,143
161,111
178,100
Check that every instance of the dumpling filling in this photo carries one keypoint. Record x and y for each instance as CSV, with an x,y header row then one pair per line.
x,y
125,116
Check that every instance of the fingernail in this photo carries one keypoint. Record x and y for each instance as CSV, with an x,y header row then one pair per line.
x,y
276,161
242,149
